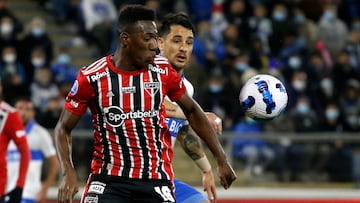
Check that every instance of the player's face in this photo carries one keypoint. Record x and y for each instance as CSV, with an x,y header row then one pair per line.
x,y
26,110
143,43
177,46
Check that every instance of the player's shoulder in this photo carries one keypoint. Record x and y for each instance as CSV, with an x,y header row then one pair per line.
x,y
95,67
162,65
40,130
6,108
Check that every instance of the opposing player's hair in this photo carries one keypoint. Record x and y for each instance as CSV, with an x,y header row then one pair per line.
x,y
132,13
175,19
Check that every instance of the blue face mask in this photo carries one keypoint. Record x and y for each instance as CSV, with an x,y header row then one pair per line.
x,y
299,19
64,59
303,108
37,32
332,114
214,88
279,16
241,66
294,62
329,15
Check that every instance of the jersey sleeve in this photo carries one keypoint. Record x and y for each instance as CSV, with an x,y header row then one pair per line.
x,y
15,130
176,85
81,92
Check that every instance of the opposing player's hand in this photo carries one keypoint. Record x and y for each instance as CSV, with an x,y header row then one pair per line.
x,y
226,174
68,187
209,185
216,121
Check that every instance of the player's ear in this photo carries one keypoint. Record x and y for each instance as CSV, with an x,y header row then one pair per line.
x,y
160,42
124,39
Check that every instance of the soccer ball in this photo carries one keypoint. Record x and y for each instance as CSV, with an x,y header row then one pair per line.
x,y
263,97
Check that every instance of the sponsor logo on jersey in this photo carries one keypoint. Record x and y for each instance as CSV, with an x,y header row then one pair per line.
x,y
20,133
96,187
115,116
156,69
74,103
151,87
128,90
98,75
74,88
94,199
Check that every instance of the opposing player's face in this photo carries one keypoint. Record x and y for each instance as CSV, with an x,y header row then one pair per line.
x,y
177,46
143,43
26,110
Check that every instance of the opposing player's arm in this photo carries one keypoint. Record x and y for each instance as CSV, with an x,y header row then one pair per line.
x,y
69,185
201,125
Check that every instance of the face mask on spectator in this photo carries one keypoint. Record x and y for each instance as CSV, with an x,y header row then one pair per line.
x,y
241,66
299,85
294,62
37,31
352,120
332,114
64,59
303,108
326,85
329,15
299,19
38,62
279,15
9,58
215,88
6,28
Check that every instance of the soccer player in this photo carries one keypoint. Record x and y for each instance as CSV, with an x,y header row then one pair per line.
x,y
41,147
176,39
132,144
11,128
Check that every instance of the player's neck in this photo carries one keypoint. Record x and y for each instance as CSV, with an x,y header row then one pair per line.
x,y
121,62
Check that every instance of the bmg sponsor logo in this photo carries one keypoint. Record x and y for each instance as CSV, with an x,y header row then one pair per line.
x,y
115,116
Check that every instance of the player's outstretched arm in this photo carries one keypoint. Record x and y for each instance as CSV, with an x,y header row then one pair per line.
x,y
201,125
69,183
192,146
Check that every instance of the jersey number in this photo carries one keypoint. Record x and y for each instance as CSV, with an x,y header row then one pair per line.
x,y
165,193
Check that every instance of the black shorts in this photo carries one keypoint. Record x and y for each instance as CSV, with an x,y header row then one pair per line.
x,y
112,189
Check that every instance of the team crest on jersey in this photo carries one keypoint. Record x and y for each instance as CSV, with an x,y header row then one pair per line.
x,y
152,87
74,88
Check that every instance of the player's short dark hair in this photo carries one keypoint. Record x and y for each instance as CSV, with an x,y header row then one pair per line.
x,y
132,13
175,19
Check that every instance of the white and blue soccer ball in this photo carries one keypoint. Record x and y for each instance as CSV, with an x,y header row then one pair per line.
x,y
263,97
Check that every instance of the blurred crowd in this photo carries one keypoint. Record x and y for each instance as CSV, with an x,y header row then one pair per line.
x,y
313,46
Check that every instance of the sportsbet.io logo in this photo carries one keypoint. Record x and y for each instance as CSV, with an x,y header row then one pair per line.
x,y
115,116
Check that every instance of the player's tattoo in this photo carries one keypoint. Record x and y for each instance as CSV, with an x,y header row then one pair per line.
x,y
190,143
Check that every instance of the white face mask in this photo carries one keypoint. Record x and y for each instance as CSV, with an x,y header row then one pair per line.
x,y
38,62
299,85
6,28
332,114
9,58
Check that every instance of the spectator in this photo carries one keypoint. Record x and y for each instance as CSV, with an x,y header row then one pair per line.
x,y
340,163
8,37
350,106
327,25
36,37
306,28
42,90
98,18
353,45
13,73
6,12
62,69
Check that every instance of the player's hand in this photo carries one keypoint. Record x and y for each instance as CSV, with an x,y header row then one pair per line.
x,y
209,185
68,187
226,174
216,122
15,195
41,195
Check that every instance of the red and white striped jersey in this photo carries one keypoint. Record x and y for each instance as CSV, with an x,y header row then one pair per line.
x,y
130,137
11,128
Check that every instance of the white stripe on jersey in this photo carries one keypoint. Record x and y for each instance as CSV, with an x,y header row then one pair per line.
x,y
97,65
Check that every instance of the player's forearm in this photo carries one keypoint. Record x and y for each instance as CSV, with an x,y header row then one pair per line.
x,y
173,110
24,163
53,171
63,148
206,132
